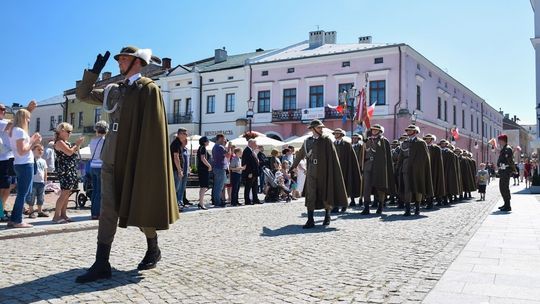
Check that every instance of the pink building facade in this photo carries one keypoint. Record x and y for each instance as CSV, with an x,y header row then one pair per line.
x,y
293,85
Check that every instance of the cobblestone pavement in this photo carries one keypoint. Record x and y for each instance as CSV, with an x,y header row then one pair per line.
x,y
252,254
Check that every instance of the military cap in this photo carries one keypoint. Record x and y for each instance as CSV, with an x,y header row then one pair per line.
x,y
444,141
144,54
377,127
357,135
430,136
315,123
413,128
503,137
395,142
339,131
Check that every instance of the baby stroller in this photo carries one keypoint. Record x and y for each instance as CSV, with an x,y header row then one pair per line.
x,y
82,198
274,187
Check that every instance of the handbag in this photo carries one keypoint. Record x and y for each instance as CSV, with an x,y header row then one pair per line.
x,y
88,166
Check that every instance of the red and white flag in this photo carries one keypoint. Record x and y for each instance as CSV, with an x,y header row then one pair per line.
x,y
455,133
364,113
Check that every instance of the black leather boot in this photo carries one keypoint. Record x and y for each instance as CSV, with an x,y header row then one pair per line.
x,y
310,222
335,210
429,203
407,209
152,256
353,203
380,208
417,208
366,208
101,269
375,204
326,221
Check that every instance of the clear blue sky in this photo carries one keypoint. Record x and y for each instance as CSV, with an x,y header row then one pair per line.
x,y
485,44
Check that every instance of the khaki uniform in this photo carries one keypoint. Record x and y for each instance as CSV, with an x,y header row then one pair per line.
x,y
378,173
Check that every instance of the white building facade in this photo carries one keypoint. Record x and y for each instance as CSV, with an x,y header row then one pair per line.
x,y
46,116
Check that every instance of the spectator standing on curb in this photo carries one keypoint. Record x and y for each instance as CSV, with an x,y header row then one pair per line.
x,y
37,194
219,168
203,169
96,145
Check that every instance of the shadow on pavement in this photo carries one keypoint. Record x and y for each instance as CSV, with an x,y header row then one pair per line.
x,y
499,212
399,217
26,292
523,191
295,229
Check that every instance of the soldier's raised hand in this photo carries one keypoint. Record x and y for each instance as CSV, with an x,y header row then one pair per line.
x,y
101,60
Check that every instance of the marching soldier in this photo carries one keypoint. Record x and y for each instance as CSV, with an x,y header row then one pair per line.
x,y
324,187
415,176
450,172
437,170
349,167
506,166
135,192
377,168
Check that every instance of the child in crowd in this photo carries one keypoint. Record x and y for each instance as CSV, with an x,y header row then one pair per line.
x,y
482,178
236,169
38,185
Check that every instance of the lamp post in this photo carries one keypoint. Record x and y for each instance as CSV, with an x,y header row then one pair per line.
x,y
249,113
414,116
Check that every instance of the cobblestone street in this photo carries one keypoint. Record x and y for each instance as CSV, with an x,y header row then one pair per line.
x,y
252,254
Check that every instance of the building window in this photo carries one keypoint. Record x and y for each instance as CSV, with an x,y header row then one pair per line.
x,y
378,60
229,102
52,124
316,96
439,108
189,82
290,70
80,120
211,104
454,118
472,123
289,99
230,78
345,64
377,92
60,120
38,124
211,80
72,118
445,110
177,84
418,66
477,125
188,106
429,73
97,114
463,119
263,101
418,98
264,73
345,87
176,107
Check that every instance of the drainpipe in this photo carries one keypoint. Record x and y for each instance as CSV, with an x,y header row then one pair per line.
x,y
200,104
399,96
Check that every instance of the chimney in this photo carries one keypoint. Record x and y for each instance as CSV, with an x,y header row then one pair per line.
x,y
106,75
77,83
166,63
515,118
507,116
365,39
220,55
316,39
330,37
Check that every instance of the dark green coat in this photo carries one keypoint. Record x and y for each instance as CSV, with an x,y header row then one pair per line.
x,y
416,168
324,187
466,174
143,174
450,172
349,168
383,170
437,171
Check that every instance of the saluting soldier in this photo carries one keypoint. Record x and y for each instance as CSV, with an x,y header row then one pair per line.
x,y
437,171
377,168
137,176
506,166
324,187
450,172
415,176
349,167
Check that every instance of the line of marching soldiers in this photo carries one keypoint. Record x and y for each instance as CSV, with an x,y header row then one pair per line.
x,y
410,171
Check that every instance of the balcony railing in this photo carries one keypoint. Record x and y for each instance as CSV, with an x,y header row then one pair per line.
x,y
180,118
286,115
330,113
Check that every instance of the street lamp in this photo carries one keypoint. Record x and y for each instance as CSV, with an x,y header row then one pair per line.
x,y
250,113
351,94
414,116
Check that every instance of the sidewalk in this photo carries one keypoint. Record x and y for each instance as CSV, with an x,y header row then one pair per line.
x,y
501,262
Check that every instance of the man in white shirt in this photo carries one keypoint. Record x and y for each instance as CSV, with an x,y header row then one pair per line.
x,y
49,156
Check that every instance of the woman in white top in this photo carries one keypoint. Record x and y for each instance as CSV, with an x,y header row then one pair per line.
x,y
300,177
96,144
22,145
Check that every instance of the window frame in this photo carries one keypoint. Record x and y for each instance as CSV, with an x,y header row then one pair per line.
x,y
289,99
210,104
316,97
374,92
263,96
230,102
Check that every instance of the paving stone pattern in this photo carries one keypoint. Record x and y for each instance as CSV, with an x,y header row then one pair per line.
x,y
252,254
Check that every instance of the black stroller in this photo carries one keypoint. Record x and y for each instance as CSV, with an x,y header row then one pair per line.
x,y
274,188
